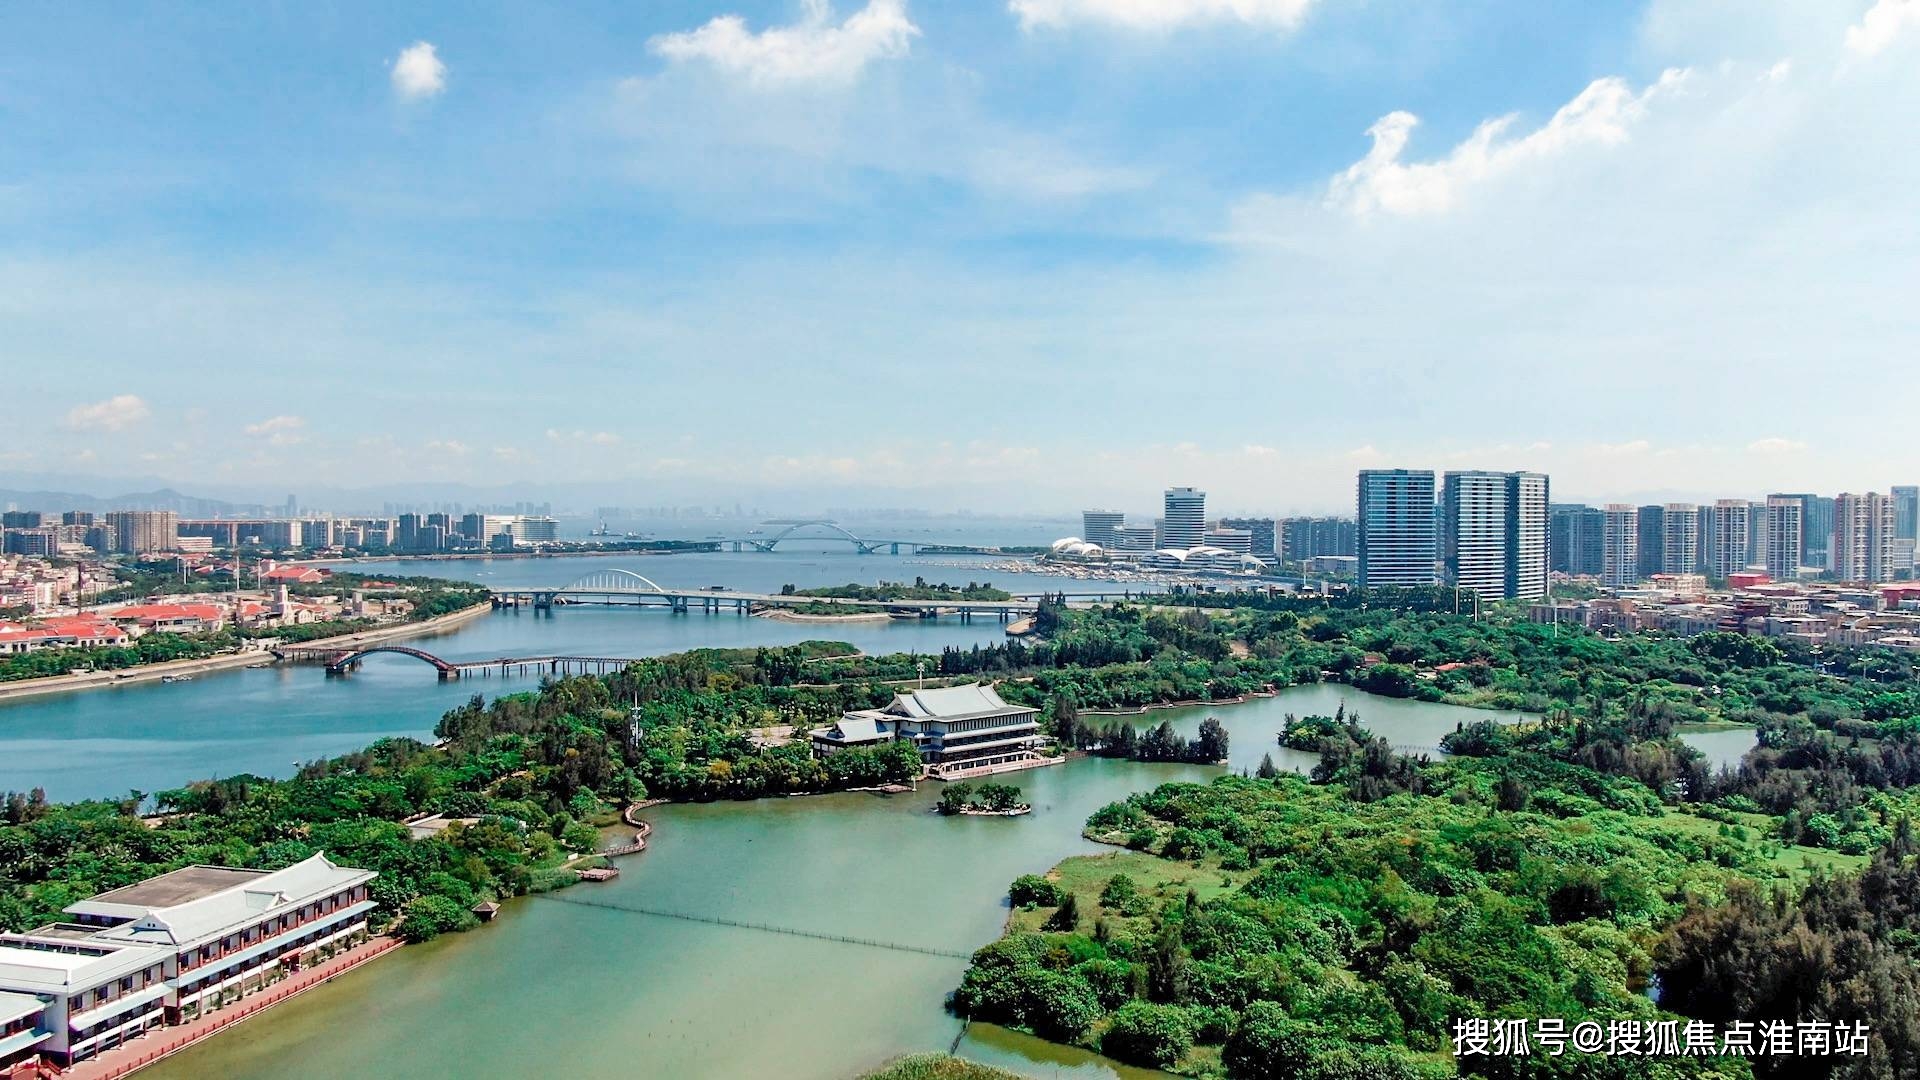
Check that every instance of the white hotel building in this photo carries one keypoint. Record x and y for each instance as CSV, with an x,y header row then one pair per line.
x,y
166,949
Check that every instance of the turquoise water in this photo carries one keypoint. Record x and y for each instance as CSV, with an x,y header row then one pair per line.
x,y
558,988
151,736
554,988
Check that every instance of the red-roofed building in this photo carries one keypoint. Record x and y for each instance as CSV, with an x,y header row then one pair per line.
x,y
71,632
294,575
172,618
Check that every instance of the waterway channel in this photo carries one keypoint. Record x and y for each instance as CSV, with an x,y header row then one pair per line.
x,y
151,736
557,988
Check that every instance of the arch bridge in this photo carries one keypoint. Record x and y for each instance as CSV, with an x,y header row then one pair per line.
x,y
340,662
625,588
833,531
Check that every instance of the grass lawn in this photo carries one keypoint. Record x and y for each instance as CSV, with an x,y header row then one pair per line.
x,y
1794,861
1158,879
938,1067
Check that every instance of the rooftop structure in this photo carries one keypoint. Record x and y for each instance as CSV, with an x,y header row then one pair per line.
x,y
959,730
150,954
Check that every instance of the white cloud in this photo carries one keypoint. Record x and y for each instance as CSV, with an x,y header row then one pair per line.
x,y
1775,445
1600,115
278,430
595,438
814,50
419,73
450,446
114,414
1883,22
1159,15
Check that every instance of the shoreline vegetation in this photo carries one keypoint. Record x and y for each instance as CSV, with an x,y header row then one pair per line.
x,y
938,1067
1271,925
791,616
634,547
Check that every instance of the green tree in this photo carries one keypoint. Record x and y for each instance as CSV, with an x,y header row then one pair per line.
x,y
1147,1034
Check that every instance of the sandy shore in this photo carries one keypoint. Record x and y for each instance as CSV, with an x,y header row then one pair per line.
x,y
59,684
783,615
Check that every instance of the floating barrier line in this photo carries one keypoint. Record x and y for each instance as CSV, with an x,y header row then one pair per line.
x,y
765,928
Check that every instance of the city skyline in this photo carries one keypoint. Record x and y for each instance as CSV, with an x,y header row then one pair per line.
x,y
759,212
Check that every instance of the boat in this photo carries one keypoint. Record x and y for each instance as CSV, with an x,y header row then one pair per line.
x,y
176,678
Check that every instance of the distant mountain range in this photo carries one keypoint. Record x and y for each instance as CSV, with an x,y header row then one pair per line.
x,y
53,502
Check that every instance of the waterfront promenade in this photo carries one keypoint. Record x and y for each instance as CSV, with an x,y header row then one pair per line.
x,y
160,1042
57,684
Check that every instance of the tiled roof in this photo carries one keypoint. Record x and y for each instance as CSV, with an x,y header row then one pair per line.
x,y
948,701
231,907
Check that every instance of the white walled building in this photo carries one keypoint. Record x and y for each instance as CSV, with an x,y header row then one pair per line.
x,y
161,951
1620,545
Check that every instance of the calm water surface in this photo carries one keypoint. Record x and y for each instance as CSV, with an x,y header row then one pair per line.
x,y
152,736
557,988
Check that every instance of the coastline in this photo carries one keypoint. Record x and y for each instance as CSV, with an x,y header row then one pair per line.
x,y
59,684
485,556
783,615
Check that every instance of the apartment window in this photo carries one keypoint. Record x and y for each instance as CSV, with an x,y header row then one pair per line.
x,y
126,985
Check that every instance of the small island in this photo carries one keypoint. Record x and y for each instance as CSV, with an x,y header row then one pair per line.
x,y
987,800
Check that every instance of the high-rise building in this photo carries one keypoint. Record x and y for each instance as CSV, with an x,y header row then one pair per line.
x,y
1817,532
1757,525
1186,517
1906,511
535,529
1726,542
1395,533
1473,531
1239,541
82,518
1310,538
1785,532
1134,539
41,542
22,519
1096,526
1863,537
1816,523
1265,532
1575,539
1680,539
473,526
1528,534
406,536
138,531
1652,542
1620,545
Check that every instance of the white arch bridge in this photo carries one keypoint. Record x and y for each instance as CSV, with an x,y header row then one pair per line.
x,y
822,529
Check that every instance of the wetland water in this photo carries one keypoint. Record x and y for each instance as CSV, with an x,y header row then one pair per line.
x,y
558,987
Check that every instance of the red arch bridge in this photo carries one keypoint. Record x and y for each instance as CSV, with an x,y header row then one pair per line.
x,y
341,661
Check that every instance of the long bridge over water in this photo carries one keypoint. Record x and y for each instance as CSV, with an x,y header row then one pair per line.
x,y
341,661
625,588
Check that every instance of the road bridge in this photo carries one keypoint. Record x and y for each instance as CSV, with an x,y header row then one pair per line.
x,y
826,530
622,588
342,661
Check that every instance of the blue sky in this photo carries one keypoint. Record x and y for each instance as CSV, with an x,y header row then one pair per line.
x,y
1020,255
